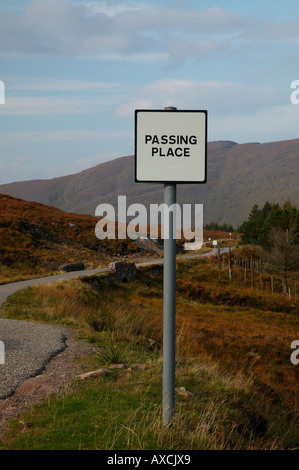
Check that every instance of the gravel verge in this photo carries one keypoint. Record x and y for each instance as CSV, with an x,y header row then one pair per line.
x,y
28,348
57,377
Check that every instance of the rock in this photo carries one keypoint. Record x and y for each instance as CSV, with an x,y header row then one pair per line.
x,y
254,355
184,392
149,245
37,231
151,343
118,366
157,270
72,267
124,271
92,374
139,366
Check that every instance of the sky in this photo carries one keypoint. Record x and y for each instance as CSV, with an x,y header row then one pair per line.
x,y
75,71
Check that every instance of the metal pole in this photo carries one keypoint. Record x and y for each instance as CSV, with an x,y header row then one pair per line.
x,y
169,281
169,278
169,288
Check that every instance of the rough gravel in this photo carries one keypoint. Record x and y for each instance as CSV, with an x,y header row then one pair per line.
x,y
57,377
28,348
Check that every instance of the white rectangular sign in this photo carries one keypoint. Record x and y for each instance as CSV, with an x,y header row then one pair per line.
x,y
170,146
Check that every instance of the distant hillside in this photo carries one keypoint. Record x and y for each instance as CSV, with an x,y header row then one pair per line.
x,y
239,175
36,240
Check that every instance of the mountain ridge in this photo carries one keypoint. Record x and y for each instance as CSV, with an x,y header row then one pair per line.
x,y
239,176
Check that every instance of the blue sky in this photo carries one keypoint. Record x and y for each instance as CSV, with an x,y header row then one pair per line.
x,y
74,71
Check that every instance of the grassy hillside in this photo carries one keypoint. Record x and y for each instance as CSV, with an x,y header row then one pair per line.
x,y
35,240
233,355
239,176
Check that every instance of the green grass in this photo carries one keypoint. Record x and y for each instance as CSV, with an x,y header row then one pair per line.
x,y
123,411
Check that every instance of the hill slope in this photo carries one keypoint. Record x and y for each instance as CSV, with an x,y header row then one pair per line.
x,y
36,240
239,175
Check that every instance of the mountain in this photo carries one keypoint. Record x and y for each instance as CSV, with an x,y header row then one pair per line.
x,y
239,176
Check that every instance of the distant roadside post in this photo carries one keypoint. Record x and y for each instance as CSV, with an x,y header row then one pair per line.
x,y
2,353
170,148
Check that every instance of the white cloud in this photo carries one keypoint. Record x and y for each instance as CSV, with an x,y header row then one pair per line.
x,y
146,58
78,97
181,49
51,106
60,136
25,97
212,20
135,31
114,8
273,32
60,27
219,97
27,84
277,122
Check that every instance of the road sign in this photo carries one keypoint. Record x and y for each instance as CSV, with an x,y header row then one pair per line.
x,y
215,242
170,146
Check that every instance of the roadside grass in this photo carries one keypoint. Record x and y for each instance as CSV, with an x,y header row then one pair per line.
x,y
235,359
123,411
8,274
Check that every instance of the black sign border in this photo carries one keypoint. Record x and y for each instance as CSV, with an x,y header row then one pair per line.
x,y
202,111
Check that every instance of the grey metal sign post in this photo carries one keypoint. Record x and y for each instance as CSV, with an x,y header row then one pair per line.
x,y
170,149
169,290
169,281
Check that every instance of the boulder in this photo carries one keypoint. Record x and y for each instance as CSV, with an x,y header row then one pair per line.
x,y
92,374
184,392
73,267
124,271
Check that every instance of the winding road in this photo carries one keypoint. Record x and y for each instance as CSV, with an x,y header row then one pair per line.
x,y
29,346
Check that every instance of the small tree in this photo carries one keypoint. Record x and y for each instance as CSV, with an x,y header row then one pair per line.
x,y
283,256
